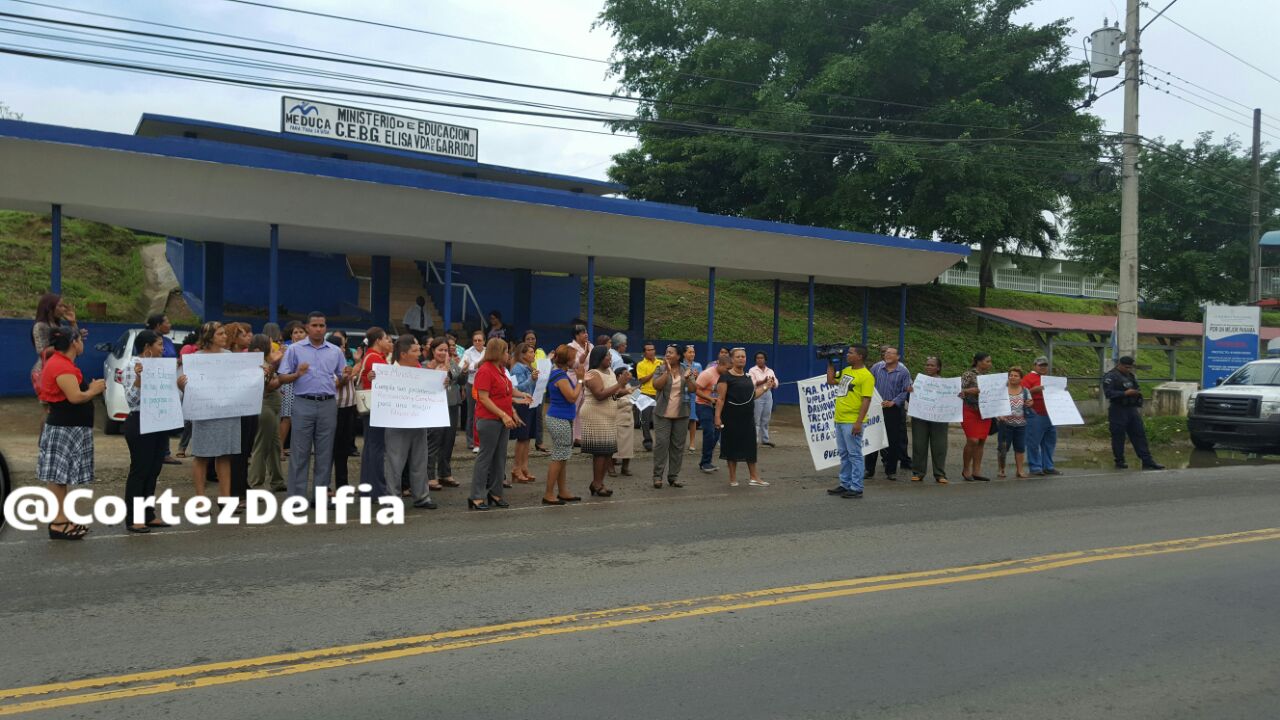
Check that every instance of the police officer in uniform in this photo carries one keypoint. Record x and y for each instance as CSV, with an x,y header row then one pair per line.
x,y
1125,414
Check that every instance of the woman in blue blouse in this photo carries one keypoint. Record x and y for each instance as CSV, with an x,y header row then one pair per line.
x,y
523,376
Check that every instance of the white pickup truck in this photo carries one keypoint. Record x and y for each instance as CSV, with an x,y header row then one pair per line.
x,y
1243,411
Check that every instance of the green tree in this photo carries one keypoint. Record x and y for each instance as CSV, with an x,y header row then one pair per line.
x,y
8,113
930,118
1193,220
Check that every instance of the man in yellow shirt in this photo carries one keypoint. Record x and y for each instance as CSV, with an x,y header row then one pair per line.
x,y
645,370
853,398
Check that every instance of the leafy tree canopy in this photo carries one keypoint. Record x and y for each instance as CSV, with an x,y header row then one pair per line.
x,y
1193,223
927,118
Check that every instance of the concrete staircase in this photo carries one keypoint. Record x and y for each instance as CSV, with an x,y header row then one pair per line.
x,y
406,286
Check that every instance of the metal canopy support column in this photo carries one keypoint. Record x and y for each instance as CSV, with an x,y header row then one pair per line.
x,y
866,313
273,276
777,307
591,298
448,287
902,321
55,264
213,275
809,357
711,315
380,291
635,313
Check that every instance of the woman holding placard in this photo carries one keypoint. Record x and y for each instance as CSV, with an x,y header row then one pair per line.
x,y
217,439
976,427
1012,428
440,440
407,447
929,439
146,451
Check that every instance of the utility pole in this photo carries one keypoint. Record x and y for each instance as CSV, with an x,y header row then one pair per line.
x,y
1127,303
1255,219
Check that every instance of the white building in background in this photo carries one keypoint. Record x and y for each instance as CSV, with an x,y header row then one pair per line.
x,y
1031,273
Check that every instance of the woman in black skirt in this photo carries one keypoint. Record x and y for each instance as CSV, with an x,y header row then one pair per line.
x,y
736,395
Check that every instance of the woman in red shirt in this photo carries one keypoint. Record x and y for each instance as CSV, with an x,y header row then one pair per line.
x,y
373,456
66,441
494,417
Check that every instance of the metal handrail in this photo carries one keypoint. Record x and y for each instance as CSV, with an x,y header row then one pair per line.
x,y
466,295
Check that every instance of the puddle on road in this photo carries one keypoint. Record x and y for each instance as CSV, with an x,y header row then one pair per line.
x,y
1176,458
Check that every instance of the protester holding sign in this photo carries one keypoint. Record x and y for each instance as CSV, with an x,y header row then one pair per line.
x,y
1013,427
855,388
146,450
976,428
929,436
407,446
1042,436
215,439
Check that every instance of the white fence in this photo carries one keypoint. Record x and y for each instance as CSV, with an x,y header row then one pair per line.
x,y
1269,282
1090,286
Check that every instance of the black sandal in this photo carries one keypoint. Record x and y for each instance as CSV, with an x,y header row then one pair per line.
x,y
70,531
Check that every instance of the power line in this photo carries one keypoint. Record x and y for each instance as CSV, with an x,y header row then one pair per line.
x,y
529,86
1172,94
1187,84
1221,49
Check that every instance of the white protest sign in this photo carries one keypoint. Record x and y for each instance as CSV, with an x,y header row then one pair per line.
x,y
408,397
993,395
160,403
817,411
1058,402
641,401
222,385
1053,382
540,387
874,435
936,399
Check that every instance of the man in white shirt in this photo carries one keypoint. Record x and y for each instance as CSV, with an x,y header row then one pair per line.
x,y
416,320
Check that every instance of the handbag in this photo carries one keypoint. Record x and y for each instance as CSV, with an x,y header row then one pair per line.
x,y
364,398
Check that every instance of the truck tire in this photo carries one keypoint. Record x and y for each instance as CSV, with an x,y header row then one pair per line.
x,y
1201,444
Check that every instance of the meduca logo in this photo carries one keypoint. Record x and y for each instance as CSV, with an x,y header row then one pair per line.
x,y
305,108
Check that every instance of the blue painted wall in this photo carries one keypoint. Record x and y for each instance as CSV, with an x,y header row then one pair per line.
x,y
556,299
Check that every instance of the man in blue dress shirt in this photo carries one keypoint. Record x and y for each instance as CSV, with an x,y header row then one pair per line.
x,y
316,368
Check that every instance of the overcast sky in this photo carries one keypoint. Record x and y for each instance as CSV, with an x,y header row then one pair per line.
x,y
103,99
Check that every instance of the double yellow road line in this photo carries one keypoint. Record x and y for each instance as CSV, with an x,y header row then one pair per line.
x,y
156,682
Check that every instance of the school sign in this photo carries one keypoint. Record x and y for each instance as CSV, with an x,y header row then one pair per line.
x,y
374,127
1230,340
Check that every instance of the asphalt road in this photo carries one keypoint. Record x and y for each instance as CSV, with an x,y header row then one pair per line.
x,y
461,615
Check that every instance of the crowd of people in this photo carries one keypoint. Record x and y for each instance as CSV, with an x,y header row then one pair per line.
x,y
1027,430
316,388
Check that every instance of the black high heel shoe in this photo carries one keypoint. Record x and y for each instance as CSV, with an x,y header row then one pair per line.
x,y
499,502
480,506
602,491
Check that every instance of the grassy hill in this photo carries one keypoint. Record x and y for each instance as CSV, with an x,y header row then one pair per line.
x,y
938,321
100,263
